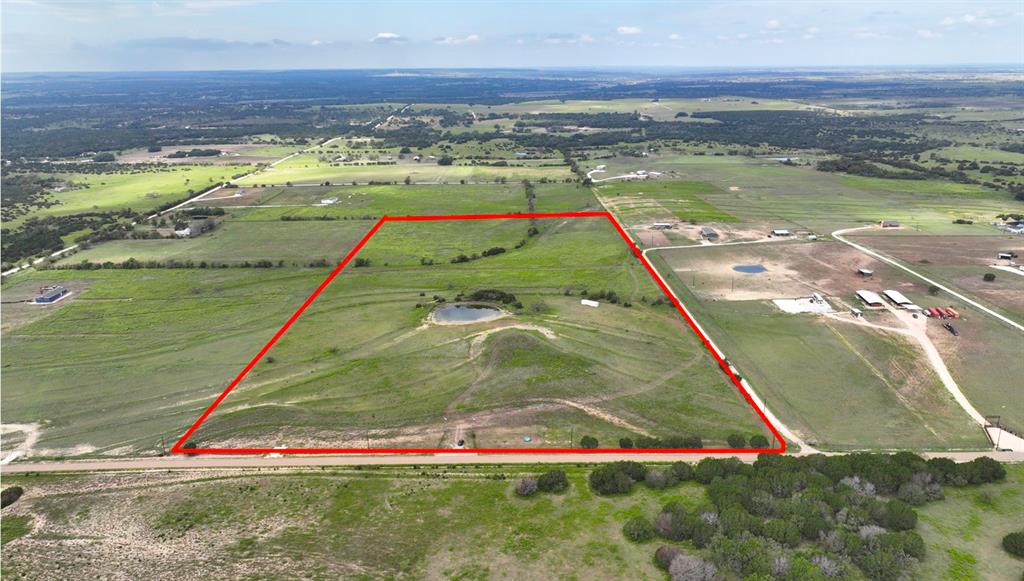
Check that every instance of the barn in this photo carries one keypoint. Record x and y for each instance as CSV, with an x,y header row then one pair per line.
x,y
870,298
50,294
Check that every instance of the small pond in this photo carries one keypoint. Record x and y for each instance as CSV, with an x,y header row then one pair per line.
x,y
465,314
749,268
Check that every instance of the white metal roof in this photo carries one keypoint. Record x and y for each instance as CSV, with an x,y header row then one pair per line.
x,y
897,297
869,297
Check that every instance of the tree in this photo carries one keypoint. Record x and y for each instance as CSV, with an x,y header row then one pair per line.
x,y
682,471
638,529
933,290
899,516
1013,543
609,479
445,160
408,180
10,495
103,157
526,487
989,277
736,441
758,441
552,481
658,479
665,555
625,443
691,568
588,442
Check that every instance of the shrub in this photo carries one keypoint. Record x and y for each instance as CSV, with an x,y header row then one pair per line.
x,y
982,470
665,555
552,481
638,529
658,479
736,441
1013,543
609,479
682,471
758,441
989,277
634,470
10,495
899,516
783,532
691,568
625,443
588,442
526,486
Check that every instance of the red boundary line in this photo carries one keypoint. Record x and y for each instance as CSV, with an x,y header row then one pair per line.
x,y
177,448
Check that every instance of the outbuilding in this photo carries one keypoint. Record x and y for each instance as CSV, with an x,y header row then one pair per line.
x,y
897,298
870,298
663,225
589,303
781,232
1006,255
708,233
865,272
890,224
50,294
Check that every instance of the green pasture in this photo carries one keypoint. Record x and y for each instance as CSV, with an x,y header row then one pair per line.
x,y
656,200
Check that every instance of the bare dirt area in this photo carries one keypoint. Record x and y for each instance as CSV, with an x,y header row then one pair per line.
x,y
232,153
239,197
791,269
960,260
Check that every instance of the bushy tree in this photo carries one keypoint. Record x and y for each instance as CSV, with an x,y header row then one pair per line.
x,y
625,443
552,481
588,442
1013,543
658,479
10,495
899,516
665,555
783,532
638,529
526,486
691,568
736,441
758,441
609,479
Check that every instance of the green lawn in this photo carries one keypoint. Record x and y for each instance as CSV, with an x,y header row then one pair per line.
x,y
14,527
657,200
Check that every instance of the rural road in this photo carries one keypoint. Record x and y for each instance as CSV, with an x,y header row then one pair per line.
x,y
243,462
838,236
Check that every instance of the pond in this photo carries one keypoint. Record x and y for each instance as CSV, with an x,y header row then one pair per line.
x,y
749,268
465,314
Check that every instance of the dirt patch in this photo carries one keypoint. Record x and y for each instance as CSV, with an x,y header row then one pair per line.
x,y
233,153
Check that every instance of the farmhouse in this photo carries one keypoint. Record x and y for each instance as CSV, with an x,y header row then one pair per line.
x,y
781,232
50,294
870,298
708,233
897,298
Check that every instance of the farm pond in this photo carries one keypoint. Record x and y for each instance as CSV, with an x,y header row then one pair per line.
x,y
465,314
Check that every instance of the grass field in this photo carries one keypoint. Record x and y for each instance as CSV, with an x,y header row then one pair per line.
x,y
395,379
425,522
964,532
654,201
129,361
769,194
893,401
309,169
141,190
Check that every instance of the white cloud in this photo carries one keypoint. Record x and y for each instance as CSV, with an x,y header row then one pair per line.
x,y
811,33
928,34
316,42
457,40
675,36
586,38
773,25
385,37
628,30
742,36
968,20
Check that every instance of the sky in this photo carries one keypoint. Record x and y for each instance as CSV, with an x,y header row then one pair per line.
x,y
43,35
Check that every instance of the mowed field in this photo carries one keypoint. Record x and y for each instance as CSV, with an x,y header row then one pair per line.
x,y
309,168
367,366
771,195
429,522
891,398
140,190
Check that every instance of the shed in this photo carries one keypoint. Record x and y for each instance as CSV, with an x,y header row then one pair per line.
x,y
708,233
589,303
897,298
663,225
865,272
870,298
1006,255
890,224
781,232
50,294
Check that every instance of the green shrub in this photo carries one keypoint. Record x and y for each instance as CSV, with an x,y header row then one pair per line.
x,y
638,529
736,441
526,486
625,443
609,479
682,471
1014,544
758,441
10,495
588,442
552,481
989,277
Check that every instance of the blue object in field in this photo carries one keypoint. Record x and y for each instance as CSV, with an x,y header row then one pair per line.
x,y
750,268
527,439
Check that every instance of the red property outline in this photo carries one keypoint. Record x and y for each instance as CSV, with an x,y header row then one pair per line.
x,y
177,448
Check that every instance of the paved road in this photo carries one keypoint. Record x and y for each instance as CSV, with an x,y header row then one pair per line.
x,y
244,462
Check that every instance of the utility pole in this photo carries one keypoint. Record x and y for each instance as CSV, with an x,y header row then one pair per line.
x,y
572,430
